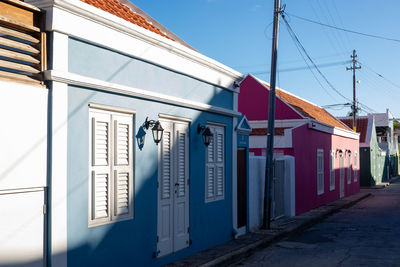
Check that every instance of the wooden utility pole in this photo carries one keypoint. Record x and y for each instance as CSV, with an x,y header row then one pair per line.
x,y
353,68
271,121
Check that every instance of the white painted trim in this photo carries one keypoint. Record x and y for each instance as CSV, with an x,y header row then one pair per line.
x,y
79,80
234,181
174,118
241,130
22,190
111,108
83,21
278,123
322,127
60,51
58,188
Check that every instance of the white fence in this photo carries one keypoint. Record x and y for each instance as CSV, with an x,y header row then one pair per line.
x,y
283,189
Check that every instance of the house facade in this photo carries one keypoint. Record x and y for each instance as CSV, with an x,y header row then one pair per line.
x,y
326,152
115,197
378,153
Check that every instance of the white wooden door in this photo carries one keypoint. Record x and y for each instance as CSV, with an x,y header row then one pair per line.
x,y
341,167
173,188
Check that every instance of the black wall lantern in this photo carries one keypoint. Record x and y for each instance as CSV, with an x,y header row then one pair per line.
x,y
207,134
157,130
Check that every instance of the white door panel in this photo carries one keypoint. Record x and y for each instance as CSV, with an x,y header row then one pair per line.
x,y
173,187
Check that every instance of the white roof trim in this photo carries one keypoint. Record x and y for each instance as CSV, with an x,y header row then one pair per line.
x,y
79,80
104,18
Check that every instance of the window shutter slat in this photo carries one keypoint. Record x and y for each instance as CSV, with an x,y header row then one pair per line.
x,y
166,165
220,146
181,163
210,182
100,201
121,193
121,145
100,139
220,181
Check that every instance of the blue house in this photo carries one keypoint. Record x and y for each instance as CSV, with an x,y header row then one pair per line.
x,y
142,139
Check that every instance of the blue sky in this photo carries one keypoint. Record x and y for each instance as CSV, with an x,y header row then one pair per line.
x,y
238,34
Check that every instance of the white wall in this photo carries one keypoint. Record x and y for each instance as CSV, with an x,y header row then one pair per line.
x,y
256,189
23,136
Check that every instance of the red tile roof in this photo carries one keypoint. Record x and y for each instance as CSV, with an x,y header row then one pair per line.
x,y
362,126
124,9
309,110
264,131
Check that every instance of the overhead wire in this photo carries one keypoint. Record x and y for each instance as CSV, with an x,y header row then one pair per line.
x,y
299,45
343,29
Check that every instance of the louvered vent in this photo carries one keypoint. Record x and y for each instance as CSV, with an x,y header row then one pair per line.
x,y
122,144
100,196
121,193
181,164
22,42
166,159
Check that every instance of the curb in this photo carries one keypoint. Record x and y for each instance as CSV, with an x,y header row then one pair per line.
x,y
271,237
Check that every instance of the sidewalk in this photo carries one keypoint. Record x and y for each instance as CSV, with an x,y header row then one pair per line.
x,y
235,249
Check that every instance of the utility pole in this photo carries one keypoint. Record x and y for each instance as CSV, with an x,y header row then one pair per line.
x,y
353,68
271,121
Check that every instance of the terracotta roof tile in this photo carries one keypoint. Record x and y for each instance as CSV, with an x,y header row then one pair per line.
x,y
362,126
118,9
309,110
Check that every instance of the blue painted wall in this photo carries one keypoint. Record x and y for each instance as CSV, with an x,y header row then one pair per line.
x,y
97,62
133,242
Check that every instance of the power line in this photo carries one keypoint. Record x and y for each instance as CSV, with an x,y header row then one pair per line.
x,y
294,36
380,75
307,67
298,44
345,30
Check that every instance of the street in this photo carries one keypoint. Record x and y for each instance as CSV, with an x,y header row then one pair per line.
x,y
367,234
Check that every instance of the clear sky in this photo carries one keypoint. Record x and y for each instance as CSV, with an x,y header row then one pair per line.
x,y
238,34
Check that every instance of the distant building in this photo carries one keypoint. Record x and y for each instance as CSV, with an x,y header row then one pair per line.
x,y
326,151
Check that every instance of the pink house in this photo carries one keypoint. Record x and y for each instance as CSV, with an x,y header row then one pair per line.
x,y
326,151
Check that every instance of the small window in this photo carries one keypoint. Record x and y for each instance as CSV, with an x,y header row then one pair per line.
x,y
320,171
110,166
332,171
355,167
349,168
215,165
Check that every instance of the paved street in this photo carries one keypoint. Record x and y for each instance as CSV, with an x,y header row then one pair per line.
x,y
367,234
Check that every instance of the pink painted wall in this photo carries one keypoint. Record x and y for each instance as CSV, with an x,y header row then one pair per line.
x,y
253,102
305,145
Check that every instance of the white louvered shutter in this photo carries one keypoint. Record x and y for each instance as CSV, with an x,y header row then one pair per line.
x,y
219,151
123,165
320,171
100,167
215,165
332,170
165,192
181,202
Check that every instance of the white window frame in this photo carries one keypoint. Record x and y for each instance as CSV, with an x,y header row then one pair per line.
x,y
349,167
355,165
215,164
332,177
114,165
320,171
